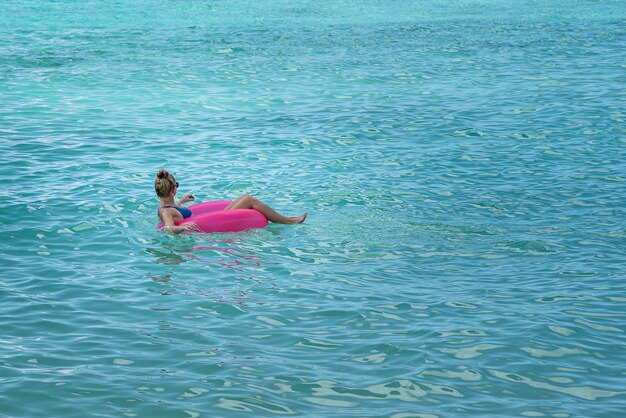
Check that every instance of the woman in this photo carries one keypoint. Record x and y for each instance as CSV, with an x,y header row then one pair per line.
x,y
166,187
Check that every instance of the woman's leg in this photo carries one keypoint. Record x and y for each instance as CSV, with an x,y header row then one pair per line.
x,y
250,202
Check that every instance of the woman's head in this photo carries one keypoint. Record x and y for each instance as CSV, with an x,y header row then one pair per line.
x,y
164,183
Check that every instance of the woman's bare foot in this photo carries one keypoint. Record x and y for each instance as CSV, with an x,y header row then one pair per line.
x,y
298,219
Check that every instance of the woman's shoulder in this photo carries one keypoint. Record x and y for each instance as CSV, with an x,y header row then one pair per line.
x,y
165,209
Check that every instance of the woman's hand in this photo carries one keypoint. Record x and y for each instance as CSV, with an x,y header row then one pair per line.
x,y
186,198
177,229
190,227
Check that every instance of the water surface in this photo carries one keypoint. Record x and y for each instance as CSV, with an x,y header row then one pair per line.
x,y
462,164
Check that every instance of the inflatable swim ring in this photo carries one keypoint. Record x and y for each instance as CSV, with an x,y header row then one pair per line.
x,y
211,217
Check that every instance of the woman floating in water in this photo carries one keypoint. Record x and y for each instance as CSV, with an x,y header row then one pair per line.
x,y
170,213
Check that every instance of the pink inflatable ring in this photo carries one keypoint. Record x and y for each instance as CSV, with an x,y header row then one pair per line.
x,y
211,217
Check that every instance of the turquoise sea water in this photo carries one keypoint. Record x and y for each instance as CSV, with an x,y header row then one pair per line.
x,y
462,163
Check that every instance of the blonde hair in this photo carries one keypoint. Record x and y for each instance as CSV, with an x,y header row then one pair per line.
x,y
164,183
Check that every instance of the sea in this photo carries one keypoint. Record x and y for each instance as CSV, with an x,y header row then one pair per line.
x,y
462,163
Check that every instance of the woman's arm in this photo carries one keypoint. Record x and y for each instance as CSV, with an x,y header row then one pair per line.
x,y
177,229
168,222
186,198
